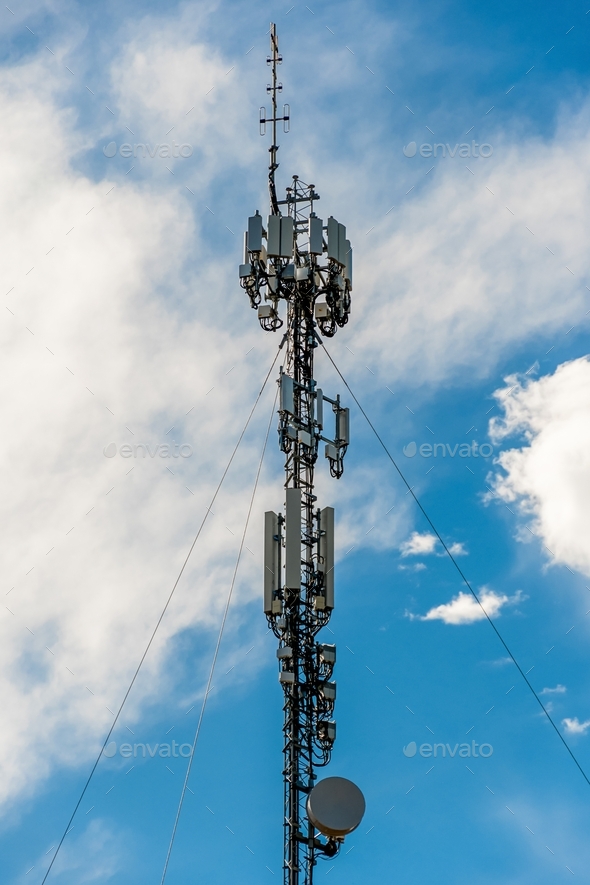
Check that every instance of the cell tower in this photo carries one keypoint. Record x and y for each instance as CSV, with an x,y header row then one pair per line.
x,y
294,257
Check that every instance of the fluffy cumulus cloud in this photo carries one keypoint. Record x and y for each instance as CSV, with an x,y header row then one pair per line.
x,y
574,726
110,335
423,544
111,345
548,474
419,544
95,353
464,609
452,264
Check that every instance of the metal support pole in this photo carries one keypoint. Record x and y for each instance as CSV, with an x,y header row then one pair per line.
x,y
293,261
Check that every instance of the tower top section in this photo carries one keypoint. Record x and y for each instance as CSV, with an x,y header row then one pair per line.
x,y
292,255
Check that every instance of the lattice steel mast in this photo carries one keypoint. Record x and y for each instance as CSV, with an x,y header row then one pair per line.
x,y
298,259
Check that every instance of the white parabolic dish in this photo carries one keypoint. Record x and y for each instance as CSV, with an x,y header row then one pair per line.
x,y
335,806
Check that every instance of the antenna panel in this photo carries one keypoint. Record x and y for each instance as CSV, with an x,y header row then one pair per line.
x,y
293,540
255,233
272,559
286,236
343,426
326,562
342,243
348,264
287,400
333,239
319,408
273,247
316,246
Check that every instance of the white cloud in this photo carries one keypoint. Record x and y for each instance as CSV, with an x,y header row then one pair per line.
x,y
167,76
419,544
96,854
549,475
501,662
112,338
426,543
559,689
466,269
574,726
107,330
115,303
463,608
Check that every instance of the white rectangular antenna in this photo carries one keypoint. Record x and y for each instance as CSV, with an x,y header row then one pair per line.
x,y
326,546
255,233
333,239
272,559
286,237
287,399
316,245
293,539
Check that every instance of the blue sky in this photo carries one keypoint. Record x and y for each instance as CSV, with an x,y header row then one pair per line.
x,y
125,323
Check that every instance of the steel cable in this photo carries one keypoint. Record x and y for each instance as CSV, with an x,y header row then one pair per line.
x,y
216,652
164,610
457,566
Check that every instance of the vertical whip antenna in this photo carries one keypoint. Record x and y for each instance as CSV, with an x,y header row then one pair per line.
x,y
274,60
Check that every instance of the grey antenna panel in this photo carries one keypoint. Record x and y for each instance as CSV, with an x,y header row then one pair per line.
x,y
342,244
348,263
332,238
343,426
293,540
286,237
316,239
273,247
319,408
272,559
326,564
255,233
287,398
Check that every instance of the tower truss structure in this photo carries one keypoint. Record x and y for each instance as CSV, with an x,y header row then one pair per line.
x,y
293,256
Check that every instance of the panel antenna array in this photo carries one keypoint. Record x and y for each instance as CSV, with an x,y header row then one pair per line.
x,y
292,256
